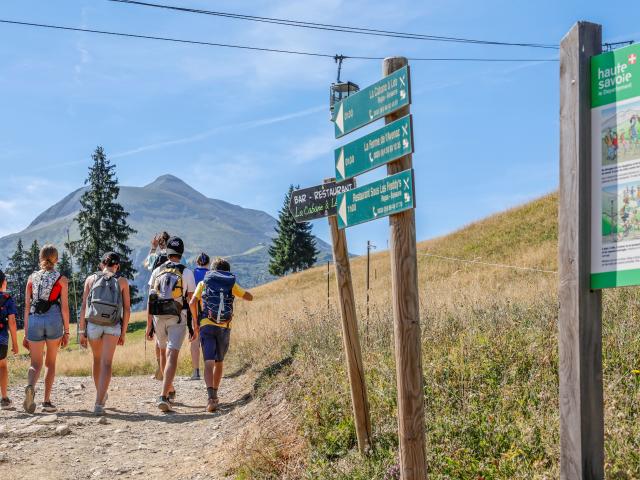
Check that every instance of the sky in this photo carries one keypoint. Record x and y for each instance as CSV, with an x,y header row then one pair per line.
x,y
242,126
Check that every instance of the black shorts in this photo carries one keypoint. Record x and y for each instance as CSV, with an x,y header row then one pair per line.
x,y
3,351
215,342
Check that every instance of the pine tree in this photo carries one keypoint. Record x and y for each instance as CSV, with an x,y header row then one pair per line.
x,y
33,257
65,267
294,248
103,221
18,271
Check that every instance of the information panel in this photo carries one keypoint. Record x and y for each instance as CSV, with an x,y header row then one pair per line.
x,y
615,175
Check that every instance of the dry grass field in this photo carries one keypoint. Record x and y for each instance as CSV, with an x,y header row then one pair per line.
x,y
489,342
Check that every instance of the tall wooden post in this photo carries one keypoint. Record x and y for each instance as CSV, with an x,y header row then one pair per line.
x,y
580,316
406,325
350,335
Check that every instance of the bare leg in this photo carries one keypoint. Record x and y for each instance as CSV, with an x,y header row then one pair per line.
x,y
4,377
109,343
96,349
195,354
36,350
50,363
160,367
208,372
217,374
170,371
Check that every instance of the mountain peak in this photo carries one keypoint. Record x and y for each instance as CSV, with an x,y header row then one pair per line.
x,y
165,180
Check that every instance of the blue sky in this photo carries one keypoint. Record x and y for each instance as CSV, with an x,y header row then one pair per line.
x,y
242,126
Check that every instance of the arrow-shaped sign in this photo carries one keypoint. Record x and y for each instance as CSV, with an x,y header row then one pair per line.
x,y
340,118
378,148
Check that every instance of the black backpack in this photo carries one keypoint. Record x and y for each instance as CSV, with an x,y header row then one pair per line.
x,y
4,317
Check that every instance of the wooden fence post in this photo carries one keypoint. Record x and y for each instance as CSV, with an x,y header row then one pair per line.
x,y
350,335
406,315
580,315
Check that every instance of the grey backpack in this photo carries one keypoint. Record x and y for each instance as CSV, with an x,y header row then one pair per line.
x,y
104,303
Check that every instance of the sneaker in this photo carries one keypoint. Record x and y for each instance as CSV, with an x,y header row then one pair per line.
x,y
29,403
49,407
163,404
195,376
172,396
212,405
98,410
6,404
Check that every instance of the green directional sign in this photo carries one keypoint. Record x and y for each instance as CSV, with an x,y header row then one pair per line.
x,y
374,102
385,197
378,148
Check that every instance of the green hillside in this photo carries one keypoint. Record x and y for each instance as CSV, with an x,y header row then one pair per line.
x,y
490,360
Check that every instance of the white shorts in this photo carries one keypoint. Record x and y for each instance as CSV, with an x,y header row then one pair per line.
x,y
95,332
169,333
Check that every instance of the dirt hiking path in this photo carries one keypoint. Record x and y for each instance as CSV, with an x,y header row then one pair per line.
x,y
134,439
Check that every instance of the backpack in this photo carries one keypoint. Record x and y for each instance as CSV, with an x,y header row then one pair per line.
x,y
104,303
217,296
4,317
43,280
167,295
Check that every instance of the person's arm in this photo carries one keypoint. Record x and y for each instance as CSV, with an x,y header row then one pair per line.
x,y
13,331
240,292
247,296
126,308
27,309
82,322
64,306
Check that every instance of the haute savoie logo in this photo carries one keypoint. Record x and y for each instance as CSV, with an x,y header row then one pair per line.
x,y
617,77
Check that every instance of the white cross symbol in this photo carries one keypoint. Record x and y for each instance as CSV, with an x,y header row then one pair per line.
x,y
632,59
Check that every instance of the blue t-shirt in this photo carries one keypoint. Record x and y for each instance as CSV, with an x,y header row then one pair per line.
x,y
9,308
199,273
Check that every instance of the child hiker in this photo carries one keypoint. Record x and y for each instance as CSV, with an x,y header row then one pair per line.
x,y
216,293
203,261
8,314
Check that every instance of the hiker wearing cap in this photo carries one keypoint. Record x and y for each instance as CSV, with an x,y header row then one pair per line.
x,y
170,289
104,317
8,328
216,294
199,272
156,257
46,323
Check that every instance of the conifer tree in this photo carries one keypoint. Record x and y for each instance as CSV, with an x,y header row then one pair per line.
x,y
33,257
65,267
18,271
294,248
103,221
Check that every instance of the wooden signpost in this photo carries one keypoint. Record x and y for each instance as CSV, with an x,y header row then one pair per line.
x,y
580,315
393,197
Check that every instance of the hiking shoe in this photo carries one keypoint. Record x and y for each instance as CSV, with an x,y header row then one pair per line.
x,y
195,376
163,404
29,403
98,410
212,405
172,396
6,404
49,407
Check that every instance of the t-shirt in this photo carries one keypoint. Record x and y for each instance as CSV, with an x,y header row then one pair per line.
x,y
188,286
199,274
9,309
237,291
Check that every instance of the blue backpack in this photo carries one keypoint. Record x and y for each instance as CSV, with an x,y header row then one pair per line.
x,y
4,316
217,296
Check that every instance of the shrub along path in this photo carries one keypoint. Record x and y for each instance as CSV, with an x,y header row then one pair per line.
x,y
134,439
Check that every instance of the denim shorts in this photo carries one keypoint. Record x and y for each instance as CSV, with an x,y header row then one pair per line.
x,y
94,332
45,326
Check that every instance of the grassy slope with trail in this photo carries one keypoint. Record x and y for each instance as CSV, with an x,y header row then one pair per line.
x,y
489,344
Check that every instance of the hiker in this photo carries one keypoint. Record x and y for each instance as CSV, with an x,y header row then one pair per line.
x,y
199,272
216,293
157,256
8,327
46,323
170,289
104,317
